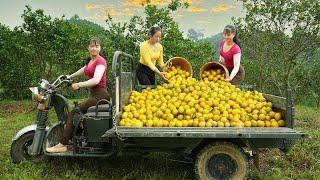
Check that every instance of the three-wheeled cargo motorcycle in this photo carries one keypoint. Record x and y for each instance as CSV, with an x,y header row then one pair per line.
x,y
218,153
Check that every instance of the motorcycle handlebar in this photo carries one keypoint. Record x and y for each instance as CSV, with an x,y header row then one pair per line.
x,y
70,82
60,80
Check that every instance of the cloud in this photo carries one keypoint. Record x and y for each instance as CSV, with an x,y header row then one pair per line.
x,y
129,7
101,11
196,9
109,11
160,2
91,6
222,8
202,22
139,3
98,17
178,16
191,1
127,12
123,12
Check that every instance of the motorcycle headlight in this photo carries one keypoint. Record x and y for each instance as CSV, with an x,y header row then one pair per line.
x,y
34,90
44,84
36,95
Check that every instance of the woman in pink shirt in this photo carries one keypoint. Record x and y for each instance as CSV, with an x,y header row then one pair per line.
x,y
230,55
95,69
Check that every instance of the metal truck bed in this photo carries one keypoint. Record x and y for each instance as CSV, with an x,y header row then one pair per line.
x,y
124,85
197,132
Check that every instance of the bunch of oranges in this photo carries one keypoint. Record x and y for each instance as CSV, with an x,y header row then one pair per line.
x,y
187,102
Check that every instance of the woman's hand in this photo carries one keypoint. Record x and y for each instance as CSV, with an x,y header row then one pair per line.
x,y
68,76
221,60
75,86
163,76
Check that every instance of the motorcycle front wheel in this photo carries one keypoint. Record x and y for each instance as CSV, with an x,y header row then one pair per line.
x,y
19,149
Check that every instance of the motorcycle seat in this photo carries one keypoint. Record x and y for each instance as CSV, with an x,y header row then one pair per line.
x,y
100,114
101,108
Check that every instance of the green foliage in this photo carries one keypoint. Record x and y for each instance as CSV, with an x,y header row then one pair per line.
x,y
277,40
42,47
17,71
55,46
279,43
306,76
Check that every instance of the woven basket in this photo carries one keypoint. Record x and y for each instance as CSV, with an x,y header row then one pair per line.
x,y
212,66
182,63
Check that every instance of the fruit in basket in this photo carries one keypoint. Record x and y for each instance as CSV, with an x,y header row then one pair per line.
x,y
213,75
175,73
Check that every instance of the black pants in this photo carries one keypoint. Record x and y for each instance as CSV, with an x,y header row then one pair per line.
x,y
145,75
95,95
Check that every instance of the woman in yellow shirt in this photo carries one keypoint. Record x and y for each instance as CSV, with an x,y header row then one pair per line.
x,y
151,53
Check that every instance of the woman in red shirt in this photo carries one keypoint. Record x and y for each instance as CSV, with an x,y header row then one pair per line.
x,y
230,55
95,69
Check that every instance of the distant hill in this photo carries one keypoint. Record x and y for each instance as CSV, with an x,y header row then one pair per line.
x,y
216,39
85,24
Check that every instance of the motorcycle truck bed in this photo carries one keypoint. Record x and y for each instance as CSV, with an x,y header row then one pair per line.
x,y
254,137
216,132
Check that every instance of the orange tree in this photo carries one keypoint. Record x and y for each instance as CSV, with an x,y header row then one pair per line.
x,y
42,47
307,80
278,38
17,70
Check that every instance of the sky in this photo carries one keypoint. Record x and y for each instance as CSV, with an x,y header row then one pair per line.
x,y
206,16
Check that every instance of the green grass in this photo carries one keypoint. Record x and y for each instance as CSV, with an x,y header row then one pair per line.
x,y
303,159
301,162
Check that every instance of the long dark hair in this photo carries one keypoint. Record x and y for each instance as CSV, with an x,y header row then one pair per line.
x,y
154,29
93,40
231,29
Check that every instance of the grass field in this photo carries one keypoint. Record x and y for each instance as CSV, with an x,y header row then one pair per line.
x,y
301,162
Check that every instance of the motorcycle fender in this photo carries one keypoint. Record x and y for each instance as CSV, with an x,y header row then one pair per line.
x,y
25,130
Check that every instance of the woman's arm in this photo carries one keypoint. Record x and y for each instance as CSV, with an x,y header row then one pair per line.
x,y
221,59
236,65
98,73
160,61
78,73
